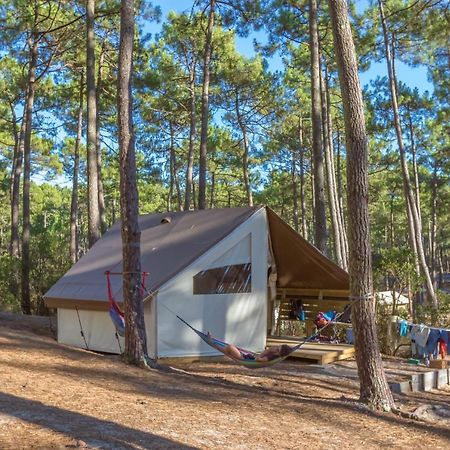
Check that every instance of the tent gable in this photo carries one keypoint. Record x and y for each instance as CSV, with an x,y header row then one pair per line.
x,y
300,264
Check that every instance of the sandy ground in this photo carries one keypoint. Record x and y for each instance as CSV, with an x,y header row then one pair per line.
x,y
53,396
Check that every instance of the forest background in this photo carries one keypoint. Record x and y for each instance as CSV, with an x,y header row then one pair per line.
x,y
256,144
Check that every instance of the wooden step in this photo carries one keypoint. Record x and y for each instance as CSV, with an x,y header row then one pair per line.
x,y
321,352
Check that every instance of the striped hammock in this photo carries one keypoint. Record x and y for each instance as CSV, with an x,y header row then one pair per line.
x,y
248,357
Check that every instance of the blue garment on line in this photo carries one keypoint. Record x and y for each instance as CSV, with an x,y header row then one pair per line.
x,y
403,328
329,315
432,342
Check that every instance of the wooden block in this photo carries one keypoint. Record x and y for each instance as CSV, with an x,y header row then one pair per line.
x,y
438,364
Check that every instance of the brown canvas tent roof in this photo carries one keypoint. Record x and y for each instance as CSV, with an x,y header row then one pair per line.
x,y
300,264
168,248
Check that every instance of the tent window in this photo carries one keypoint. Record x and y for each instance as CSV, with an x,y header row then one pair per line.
x,y
224,280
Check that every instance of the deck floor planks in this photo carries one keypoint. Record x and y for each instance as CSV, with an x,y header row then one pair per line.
x,y
323,353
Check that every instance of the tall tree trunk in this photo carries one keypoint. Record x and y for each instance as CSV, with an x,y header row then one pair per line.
x,y
194,197
98,149
329,172
413,216
33,42
213,190
441,267
177,186
302,179
294,190
338,205
414,163
92,174
171,168
433,224
16,135
391,222
205,108
15,190
248,190
135,336
76,166
340,197
313,195
192,131
374,389
319,182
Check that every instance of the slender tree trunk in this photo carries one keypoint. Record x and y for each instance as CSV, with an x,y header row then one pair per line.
x,y
194,197
329,172
76,166
33,45
192,131
413,216
302,179
15,191
177,186
98,149
92,174
313,194
433,226
414,163
374,389
205,108
248,190
135,336
441,267
391,222
16,135
213,190
294,190
172,168
319,182
173,156
341,235
411,235
340,197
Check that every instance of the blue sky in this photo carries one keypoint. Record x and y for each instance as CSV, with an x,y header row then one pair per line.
x,y
414,77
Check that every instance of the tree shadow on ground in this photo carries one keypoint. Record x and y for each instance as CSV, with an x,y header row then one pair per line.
x,y
204,385
94,432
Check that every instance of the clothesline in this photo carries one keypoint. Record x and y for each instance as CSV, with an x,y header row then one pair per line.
x,y
425,340
428,326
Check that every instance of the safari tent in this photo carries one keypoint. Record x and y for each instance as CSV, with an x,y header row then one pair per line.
x,y
223,270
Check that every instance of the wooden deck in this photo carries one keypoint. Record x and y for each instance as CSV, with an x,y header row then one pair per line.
x,y
320,352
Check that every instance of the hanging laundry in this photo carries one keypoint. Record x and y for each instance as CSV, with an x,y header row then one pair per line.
x,y
445,336
432,341
420,334
403,328
419,337
442,347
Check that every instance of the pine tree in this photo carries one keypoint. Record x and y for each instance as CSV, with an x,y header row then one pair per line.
x,y
374,389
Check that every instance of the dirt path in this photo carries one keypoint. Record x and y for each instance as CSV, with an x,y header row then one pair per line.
x,y
53,396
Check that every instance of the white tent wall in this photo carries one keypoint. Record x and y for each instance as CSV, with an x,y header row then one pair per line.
x,y
97,327
240,318
150,325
